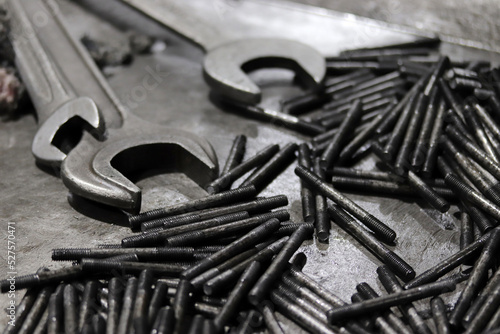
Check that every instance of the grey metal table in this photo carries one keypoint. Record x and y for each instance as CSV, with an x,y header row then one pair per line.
x,y
46,216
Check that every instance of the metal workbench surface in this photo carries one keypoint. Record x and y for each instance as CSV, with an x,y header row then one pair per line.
x,y
46,216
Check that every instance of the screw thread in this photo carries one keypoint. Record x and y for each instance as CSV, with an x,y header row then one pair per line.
x,y
210,248
281,215
383,231
366,290
269,203
232,217
69,254
388,280
288,229
291,283
434,199
145,239
399,266
136,220
454,182
21,282
493,195
182,239
109,246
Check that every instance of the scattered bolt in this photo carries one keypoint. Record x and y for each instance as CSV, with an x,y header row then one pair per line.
x,y
158,299
224,198
236,296
483,304
439,315
321,221
275,117
471,195
142,299
392,285
235,154
200,280
100,266
42,278
479,272
476,153
466,230
391,259
35,313
126,313
297,314
427,193
55,320
306,195
217,283
394,321
258,205
230,229
380,229
268,172
350,148
393,144
115,296
251,238
272,324
144,254
432,151
402,162
333,150
278,265
450,263
181,302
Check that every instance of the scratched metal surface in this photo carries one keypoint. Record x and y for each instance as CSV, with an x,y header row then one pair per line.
x,y
46,216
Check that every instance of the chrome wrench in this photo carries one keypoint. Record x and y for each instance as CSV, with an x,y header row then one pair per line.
x,y
94,168
227,55
48,79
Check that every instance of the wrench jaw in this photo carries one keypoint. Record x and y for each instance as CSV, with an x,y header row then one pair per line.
x,y
83,108
104,171
224,66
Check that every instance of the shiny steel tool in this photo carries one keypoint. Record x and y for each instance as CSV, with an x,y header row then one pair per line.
x,y
228,56
64,83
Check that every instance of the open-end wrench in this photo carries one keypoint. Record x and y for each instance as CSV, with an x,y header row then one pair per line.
x,y
228,56
94,168
48,79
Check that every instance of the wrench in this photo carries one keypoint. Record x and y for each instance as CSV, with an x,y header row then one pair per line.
x,y
97,169
47,78
227,56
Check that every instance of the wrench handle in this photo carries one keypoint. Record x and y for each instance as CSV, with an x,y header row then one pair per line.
x,y
54,66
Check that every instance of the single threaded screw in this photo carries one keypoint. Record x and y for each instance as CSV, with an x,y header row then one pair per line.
x,y
428,193
306,195
471,195
236,154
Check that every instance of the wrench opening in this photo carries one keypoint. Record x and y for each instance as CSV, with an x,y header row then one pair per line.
x,y
283,63
70,134
224,67
139,162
